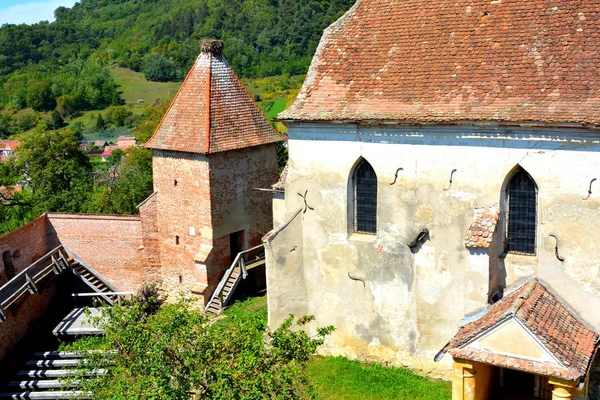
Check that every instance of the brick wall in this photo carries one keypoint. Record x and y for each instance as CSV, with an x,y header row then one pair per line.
x,y
202,200
181,181
236,204
148,216
25,245
113,245
25,312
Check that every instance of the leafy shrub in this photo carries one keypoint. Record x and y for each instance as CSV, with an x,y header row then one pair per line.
x,y
160,69
177,351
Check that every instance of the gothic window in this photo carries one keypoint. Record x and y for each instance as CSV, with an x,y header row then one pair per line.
x,y
521,195
365,198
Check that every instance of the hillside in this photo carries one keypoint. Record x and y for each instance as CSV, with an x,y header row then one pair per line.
x,y
73,56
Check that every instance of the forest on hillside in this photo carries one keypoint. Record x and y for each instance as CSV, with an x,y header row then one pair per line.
x,y
64,63
62,84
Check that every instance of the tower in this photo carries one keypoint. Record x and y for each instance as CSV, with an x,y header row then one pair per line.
x,y
212,148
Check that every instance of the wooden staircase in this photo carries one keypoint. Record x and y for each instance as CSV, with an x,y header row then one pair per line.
x,y
238,270
96,282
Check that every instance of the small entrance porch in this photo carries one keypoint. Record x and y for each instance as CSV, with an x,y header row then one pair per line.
x,y
526,346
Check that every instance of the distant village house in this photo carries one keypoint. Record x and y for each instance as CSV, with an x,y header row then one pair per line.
x,y
7,149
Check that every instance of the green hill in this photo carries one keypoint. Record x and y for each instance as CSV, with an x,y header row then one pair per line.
x,y
75,56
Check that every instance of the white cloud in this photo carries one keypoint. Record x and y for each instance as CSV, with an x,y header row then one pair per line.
x,y
32,12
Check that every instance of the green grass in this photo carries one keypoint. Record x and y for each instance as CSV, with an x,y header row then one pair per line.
x,y
252,305
340,378
272,108
136,87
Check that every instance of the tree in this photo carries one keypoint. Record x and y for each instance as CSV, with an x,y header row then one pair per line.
x,y
39,96
100,123
146,126
15,203
128,182
176,351
55,121
161,69
117,115
65,105
57,170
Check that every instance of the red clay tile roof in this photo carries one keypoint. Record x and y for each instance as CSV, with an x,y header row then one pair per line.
x,y
212,112
432,61
9,144
479,234
566,337
280,185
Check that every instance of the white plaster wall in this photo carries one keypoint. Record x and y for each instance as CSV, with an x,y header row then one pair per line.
x,y
411,304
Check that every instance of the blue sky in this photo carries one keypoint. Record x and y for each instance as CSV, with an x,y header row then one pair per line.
x,y
30,11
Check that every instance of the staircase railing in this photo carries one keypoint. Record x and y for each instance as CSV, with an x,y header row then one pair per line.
x,y
96,274
56,261
239,262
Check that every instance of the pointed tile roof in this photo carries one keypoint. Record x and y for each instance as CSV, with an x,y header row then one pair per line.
x,y
212,112
563,334
435,61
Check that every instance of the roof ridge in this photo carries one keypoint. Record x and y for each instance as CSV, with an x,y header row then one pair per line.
x,y
209,102
523,296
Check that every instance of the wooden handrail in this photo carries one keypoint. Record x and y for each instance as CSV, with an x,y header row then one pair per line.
x,y
26,280
239,259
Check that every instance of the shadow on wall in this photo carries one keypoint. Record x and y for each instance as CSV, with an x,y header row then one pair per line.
x,y
594,382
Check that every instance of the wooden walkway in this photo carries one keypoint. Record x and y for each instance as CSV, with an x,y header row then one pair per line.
x,y
79,323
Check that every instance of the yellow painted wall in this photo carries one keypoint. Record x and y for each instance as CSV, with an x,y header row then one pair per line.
x,y
512,339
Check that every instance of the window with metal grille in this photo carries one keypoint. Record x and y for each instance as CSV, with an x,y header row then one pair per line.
x,y
365,198
521,194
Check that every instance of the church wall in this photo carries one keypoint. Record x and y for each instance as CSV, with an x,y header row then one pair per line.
x,y
25,245
411,303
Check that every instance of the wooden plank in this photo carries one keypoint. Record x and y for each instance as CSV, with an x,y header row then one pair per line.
x,y
47,395
45,384
60,373
32,287
53,363
78,323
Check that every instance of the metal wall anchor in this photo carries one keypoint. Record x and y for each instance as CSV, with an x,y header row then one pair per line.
x,y
451,177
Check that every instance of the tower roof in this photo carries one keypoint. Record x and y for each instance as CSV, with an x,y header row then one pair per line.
x,y
212,112
435,61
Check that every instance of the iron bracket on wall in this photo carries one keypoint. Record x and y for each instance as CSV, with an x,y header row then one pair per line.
x,y
420,239
396,176
590,189
451,177
558,257
306,206
354,278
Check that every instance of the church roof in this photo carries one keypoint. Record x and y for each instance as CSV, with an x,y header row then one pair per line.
x,y
212,112
434,61
563,334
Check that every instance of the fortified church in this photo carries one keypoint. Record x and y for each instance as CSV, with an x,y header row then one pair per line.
x,y
441,200
439,207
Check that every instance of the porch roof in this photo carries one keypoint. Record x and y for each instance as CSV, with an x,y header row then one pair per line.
x,y
559,330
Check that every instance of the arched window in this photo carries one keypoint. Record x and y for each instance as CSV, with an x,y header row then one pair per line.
x,y
365,198
521,195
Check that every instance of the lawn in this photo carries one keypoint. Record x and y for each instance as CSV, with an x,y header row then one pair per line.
x,y
340,378
135,87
